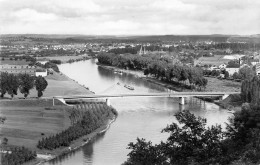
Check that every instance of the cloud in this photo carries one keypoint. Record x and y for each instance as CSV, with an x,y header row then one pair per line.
x,y
130,17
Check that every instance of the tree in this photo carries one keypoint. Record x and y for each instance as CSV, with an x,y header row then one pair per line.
x,y
5,141
250,91
12,84
189,141
2,119
144,153
236,76
52,65
233,64
26,84
3,83
226,74
246,73
40,84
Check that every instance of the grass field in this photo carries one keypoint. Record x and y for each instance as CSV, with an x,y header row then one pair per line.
x,y
13,62
62,58
217,85
58,85
26,120
216,60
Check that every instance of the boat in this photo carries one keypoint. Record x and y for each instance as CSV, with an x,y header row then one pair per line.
x,y
118,71
129,87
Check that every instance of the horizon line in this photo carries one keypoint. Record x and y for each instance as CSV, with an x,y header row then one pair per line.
x,y
129,34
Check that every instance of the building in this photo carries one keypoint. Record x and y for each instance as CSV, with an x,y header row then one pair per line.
x,y
17,69
213,68
255,61
142,51
41,72
231,71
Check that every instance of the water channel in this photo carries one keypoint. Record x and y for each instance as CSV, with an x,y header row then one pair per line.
x,y
138,117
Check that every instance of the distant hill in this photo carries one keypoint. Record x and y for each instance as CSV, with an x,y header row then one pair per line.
x,y
251,38
149,38
186,38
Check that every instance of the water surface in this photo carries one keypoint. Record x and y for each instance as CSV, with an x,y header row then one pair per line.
x,y
138,117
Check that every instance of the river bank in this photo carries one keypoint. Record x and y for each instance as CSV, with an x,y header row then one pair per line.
x,y
214,84
80,142
65,59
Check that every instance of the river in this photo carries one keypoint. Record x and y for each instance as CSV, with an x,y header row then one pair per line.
x,y
138,117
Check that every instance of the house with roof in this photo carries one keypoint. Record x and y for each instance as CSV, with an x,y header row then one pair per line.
x,y
17,69
232,70
254,61
41,72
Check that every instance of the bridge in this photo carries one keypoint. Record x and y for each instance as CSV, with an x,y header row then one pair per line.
x,y
180,95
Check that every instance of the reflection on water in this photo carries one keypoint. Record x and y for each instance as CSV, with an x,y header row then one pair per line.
x,y
138,117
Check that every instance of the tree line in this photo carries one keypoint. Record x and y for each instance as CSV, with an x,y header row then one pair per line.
x,y
17,155
85,119
177,73
159,67
10,83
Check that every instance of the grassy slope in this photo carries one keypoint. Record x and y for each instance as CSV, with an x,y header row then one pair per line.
x,y
216,60
27,119
215,84
62,58
58,85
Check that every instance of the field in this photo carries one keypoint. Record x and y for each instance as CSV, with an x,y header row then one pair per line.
x,y
26,120
216,60
13,62
215,84
63,59
58,85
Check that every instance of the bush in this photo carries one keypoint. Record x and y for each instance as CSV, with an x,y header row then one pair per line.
x,y
18,155
4,141
56,61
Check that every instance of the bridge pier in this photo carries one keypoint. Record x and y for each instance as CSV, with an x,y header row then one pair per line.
x,y
108,102
53,102
181,100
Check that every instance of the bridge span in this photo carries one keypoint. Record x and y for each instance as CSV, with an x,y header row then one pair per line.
x,y
180,95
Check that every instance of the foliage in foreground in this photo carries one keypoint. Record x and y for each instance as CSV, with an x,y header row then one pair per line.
x,y
191,142
17,155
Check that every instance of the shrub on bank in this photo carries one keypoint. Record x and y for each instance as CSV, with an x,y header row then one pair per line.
x,y
17,155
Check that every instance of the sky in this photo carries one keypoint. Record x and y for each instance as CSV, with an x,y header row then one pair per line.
x,y
130,17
